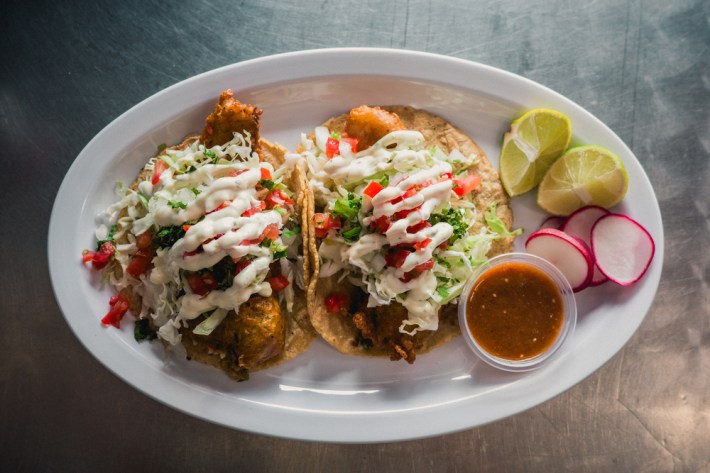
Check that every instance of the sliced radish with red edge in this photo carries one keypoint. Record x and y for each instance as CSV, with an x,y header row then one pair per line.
x,y
579,224
553,222
570,255
623,248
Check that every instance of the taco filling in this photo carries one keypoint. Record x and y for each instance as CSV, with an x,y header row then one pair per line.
x,y
206,246
403,221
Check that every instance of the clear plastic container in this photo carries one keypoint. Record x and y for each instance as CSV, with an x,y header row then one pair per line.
x,y
569,312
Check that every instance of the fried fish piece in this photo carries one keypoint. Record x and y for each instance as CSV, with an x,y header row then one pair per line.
x,y
369,124
243,340
256,333
230,116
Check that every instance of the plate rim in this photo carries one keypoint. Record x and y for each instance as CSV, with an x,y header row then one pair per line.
x,y
321,427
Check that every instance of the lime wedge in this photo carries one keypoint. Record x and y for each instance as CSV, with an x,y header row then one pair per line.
x,y
586,175
534,142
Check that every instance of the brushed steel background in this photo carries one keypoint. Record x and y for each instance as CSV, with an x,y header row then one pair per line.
x,y
69,68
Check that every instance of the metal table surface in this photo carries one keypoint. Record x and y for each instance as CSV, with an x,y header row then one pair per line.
x,y
70,68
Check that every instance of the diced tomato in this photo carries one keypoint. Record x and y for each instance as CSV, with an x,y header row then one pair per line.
x,y
466,184
351,141
403,213
241,264
417,271
323,223
158,168
417,227
336,302
255,210
201,284
186,227
277,198
87,256
446,176
119,307
271,232
144,240
420,245
140,262
221,206
372,189
381,224
265,174
427,265
444,246
395,259
103,256
279,282
332,147
408,276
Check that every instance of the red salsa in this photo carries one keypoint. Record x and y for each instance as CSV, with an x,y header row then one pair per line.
x,y
515,311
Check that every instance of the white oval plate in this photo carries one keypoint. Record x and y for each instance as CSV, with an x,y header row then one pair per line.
x,y
323,395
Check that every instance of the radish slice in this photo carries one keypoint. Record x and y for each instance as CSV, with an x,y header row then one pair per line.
x,y
553,222
571,256
623,248
579,225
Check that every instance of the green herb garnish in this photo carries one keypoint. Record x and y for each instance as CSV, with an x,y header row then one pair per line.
x,y
109,238
352,235
292,232
267,183
348,208
177,205
143,331
453,217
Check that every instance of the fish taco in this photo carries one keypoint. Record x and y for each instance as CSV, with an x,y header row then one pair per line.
x,y
206,247
405,205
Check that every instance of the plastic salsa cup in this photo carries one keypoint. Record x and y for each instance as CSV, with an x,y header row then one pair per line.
x,y
516,311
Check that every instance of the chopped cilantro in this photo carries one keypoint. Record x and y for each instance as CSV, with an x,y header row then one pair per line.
x,y
348,208
443,292
335,135
162,146
291,232
166,237
143,331
353,234
177,205
196,191
453,217
211,154
442,261
267,183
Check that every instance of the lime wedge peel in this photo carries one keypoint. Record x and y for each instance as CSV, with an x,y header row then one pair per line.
x,y
535,141
584,175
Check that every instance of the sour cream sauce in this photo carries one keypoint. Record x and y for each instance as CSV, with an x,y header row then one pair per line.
x,y
399,152
221,233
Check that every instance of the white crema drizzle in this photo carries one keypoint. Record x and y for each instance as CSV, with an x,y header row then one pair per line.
x,y
223,232
401,156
